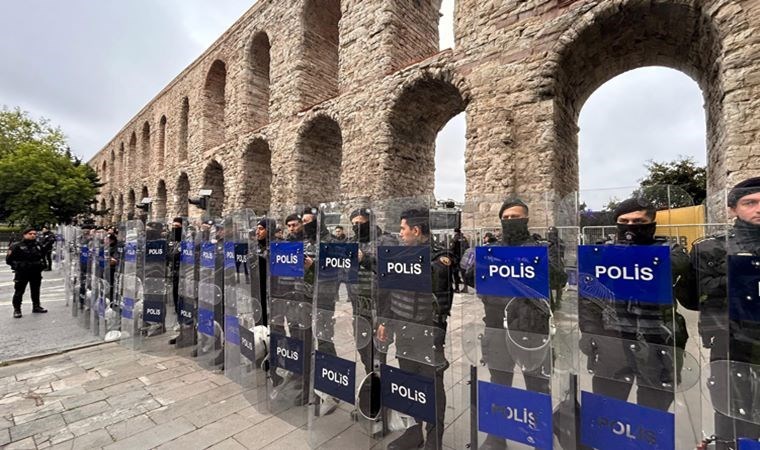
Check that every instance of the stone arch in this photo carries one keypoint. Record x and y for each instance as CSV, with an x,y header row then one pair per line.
x,y
119,209
611,39
161,143
122,167
320,61
259,57
159,202
112,210
214,105
213,178
131,202
182,194
319,157
419,112
104,172
145,144
132,164
112,167
184,119
257,176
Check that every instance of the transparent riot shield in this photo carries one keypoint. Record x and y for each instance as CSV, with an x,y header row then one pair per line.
x,y
59,249
97,268
418,390
638,372
727,270
187,284
210,346
291,272
239,317
114,267
131,299
157,311
71,268
518,330
86,256
345,362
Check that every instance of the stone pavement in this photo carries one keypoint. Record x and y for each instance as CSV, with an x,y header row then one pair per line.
x,y
35,334
111,397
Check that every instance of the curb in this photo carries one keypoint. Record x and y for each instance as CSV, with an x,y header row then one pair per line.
x,y
24,359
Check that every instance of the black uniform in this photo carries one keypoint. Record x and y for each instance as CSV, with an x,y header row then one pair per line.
x,y
26,259
427,309
608,328
47,241
734,340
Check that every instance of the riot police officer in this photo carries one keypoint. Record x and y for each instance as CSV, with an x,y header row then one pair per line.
x,y
615,333
26,259
414,307
521,319
733,342
175,254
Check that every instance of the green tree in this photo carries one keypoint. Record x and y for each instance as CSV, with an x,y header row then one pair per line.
x,y
40,182
689,182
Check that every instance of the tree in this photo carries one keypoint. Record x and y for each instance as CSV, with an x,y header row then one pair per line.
x,y
689,182
40,182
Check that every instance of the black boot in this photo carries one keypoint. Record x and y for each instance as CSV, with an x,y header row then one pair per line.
x,y
39,309
493,443
16,313
412,438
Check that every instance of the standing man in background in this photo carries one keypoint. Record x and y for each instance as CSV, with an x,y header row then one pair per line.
x,y
27,261
47,241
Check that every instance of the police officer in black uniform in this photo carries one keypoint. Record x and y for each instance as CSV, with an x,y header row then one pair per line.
x,y
27,261
419,308
734,340
175,255
609,328
527,320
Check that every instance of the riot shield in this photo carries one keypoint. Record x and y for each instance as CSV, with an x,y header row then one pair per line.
x,y
638,374
71,268
727,269
187,285
415,298
344,362
131,298
114,266
210,346
157,311
517,329
97,268
240,280
291,270
86,256
59,249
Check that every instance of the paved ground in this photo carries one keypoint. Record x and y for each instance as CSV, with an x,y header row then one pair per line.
x,y
35,334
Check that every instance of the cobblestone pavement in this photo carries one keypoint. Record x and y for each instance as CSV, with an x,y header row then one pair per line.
x,y
35,334
111,397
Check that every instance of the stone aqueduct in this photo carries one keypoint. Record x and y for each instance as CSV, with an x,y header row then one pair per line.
x,y
303,101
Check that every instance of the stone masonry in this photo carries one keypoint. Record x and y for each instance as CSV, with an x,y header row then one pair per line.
x,y
304,101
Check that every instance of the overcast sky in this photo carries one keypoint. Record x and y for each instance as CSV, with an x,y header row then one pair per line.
x,y
90,65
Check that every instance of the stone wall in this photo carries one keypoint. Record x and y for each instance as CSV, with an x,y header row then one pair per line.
x,y
311,100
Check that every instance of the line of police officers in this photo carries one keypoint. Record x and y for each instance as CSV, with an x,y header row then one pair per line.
x,y
699,282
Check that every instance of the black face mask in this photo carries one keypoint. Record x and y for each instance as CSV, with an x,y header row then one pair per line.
x,y
636,234
361,231
177,234
749,233
514,231
310,229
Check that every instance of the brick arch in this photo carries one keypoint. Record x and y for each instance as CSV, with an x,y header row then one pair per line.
x,y
611,39
213,178
119,209
112,167
122,163
259,63
214,105
145,145
256,191
320,60
184,129
319,158
421,108
112,209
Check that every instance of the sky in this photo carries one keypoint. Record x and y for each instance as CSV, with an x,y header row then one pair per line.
x,y
89,66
